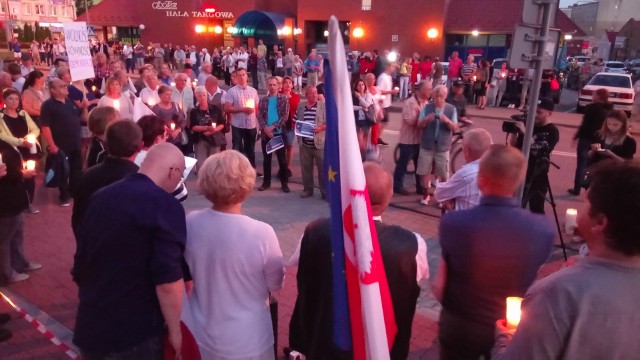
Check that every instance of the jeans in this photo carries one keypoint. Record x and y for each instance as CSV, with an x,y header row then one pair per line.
x,y
266,163
150,349
68,186
12,257
407,152
129,65
536,189
262,80
288,72
584,145
227,77
203,150
404,87
523,94
462,339
244,141
312,78
254,78
308,157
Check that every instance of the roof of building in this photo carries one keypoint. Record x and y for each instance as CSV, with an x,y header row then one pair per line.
x,y
496,16
120,13
632,23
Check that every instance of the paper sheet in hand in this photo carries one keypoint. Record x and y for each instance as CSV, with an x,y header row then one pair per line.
x,y
140,110
305,129
274,144
189,163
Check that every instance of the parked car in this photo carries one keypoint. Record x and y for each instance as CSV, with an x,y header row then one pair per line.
x,y
579,58
615,67
619,86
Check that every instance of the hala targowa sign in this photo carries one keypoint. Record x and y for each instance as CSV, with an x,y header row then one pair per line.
x,y
76,41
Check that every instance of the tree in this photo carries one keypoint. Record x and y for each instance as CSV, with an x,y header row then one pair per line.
x,y
80,6
28,34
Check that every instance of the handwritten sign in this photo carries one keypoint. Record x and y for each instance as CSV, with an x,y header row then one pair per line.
x,y
76,40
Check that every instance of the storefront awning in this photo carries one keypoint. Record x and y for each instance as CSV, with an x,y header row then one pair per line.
x,y
260,25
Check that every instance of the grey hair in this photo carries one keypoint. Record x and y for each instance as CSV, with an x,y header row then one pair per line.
x,y
440,89
478,141
200,90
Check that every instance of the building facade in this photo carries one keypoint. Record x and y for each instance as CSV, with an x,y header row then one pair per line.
x,y
604,15
47,13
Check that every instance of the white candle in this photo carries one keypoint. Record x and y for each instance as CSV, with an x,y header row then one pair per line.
x,y
31,139
151,101
474,78
214,125
93,88
194,83
503,74
172,126
513,311
396,88
116,104
0,158
570,221
173,84
30,165
250,103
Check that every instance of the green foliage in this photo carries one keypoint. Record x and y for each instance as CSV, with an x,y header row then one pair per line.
x,y
80,6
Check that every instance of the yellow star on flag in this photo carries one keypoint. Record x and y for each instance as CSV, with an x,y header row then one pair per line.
x,y
332,174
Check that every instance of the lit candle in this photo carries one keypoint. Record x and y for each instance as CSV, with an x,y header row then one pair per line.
x,y
396,88
181,104
0,158
513,311
30,165
116,104
194,83
570,221
474,78
93,88
173,126
31,139
214,125
503,74
250,103
151,102
173,84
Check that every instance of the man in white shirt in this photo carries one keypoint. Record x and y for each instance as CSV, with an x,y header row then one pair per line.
x,y
127,52
242,58
182,94
385,85
205,70
461,191
214,93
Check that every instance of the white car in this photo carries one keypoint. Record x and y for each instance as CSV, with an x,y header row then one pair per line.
x,y
619,86
615,67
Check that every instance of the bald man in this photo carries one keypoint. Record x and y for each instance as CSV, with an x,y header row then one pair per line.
x,y
404,255
129,263
489,252
60,119
461,191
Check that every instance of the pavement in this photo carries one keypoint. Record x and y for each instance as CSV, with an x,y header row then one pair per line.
x,y
50,296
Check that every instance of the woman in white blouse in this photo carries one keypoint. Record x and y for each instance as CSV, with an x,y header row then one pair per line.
x,y
116,99
235,262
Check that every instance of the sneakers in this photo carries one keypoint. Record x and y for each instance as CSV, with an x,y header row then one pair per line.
x,y
18,277
425,200
574,192
382,142
33,267
285,188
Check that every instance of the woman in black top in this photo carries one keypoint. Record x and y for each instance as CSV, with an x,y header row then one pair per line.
x,y
614,142
586,135
99,118
207,125
17,129
362,105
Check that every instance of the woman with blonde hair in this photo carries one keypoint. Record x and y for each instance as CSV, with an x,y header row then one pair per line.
x,y
235,262
116,99
614,142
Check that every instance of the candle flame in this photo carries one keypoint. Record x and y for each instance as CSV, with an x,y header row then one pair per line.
x,y
513,311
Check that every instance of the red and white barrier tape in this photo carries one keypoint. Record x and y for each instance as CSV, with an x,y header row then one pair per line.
x,y
42,329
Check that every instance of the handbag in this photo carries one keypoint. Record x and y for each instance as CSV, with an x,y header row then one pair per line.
x,y
189,350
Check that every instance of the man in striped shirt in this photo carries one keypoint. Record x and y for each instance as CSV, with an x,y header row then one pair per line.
x,y
461,191
312,149
469,69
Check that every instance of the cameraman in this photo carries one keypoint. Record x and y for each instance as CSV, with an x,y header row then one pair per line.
x,y
545,138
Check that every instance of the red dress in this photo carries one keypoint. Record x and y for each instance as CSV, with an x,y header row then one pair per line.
x,y
415,69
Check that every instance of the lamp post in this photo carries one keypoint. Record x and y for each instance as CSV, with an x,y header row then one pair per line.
x,y
358,33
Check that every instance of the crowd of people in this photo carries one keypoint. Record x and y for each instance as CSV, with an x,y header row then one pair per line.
x,y
143,267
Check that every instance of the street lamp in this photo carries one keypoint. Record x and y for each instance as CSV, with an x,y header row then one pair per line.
x,y
217,29
286,30
358,32
568,37
326,33
199,29
475,33
392,57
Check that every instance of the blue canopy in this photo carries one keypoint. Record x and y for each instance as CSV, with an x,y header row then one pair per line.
x,y
260,25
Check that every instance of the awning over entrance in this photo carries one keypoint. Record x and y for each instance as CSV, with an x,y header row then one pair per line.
x,y
260,25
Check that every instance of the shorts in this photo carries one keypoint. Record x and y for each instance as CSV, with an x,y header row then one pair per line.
x,y
385,118
426,160
289,137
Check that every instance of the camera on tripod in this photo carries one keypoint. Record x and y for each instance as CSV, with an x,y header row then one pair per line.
x,y
511,126
540,146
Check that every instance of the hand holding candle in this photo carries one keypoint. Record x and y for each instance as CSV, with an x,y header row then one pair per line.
x,y
31,139
570,221
151,102
513,311
250,103
29,165
116,104
172,126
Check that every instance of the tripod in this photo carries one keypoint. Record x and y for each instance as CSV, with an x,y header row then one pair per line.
x,y
538,172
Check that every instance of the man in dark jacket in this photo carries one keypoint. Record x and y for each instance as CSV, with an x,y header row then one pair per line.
x,y
404,255
124,139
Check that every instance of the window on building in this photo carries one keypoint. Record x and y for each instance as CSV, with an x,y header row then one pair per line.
x,y
2,8
480,40
455,39
26,9
53,10
66,11
39,9
366,5
498,40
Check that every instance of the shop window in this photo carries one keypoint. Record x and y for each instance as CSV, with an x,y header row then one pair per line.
x,y
39,9
366,5
454,39
497,40
26,9
480,40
